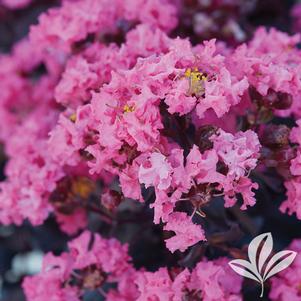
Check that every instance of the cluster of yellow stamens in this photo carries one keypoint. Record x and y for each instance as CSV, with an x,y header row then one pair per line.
x,y
196,81
128,108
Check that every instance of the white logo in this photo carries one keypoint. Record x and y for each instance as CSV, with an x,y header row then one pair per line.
x,y
261,265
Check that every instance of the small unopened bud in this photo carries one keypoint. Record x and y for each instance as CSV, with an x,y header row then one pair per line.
x,y
273,99
285,155
278,158
270,99
284,101
111,199
262,116
277,100
203,135
275,136
254,94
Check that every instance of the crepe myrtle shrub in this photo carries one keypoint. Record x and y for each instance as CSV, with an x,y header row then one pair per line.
x,y
131,124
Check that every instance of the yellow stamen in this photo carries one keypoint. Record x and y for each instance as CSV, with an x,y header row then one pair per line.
x,y
187,72
196,81
128,109
72,117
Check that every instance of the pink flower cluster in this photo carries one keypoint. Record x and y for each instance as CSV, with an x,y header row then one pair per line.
x,y
286,286
292,204
93,262
102,102
172,180
112,122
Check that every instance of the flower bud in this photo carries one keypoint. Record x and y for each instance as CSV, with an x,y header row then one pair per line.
x,y
275,136
284,101
254,94
111,199
273,99
277,100
203,135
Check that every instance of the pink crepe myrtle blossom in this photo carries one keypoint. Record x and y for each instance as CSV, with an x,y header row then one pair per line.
x,y
98,61
209,280
103,102
107,260
72,223
292,204
155,286
286,284
61,27
171,178
296,165
267,63
129,182
88,266
163,206
206,84
155,171
202,167
215,281
187,233
239,152
293,193
243,186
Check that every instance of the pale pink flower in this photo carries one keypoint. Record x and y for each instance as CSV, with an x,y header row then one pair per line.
x,y
186,232
156,171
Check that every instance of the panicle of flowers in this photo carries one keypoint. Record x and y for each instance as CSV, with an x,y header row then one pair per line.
x,y
93,263
97,61
199,180
271,63
205,83
209,280
61,28
102,103
292,184
287,284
